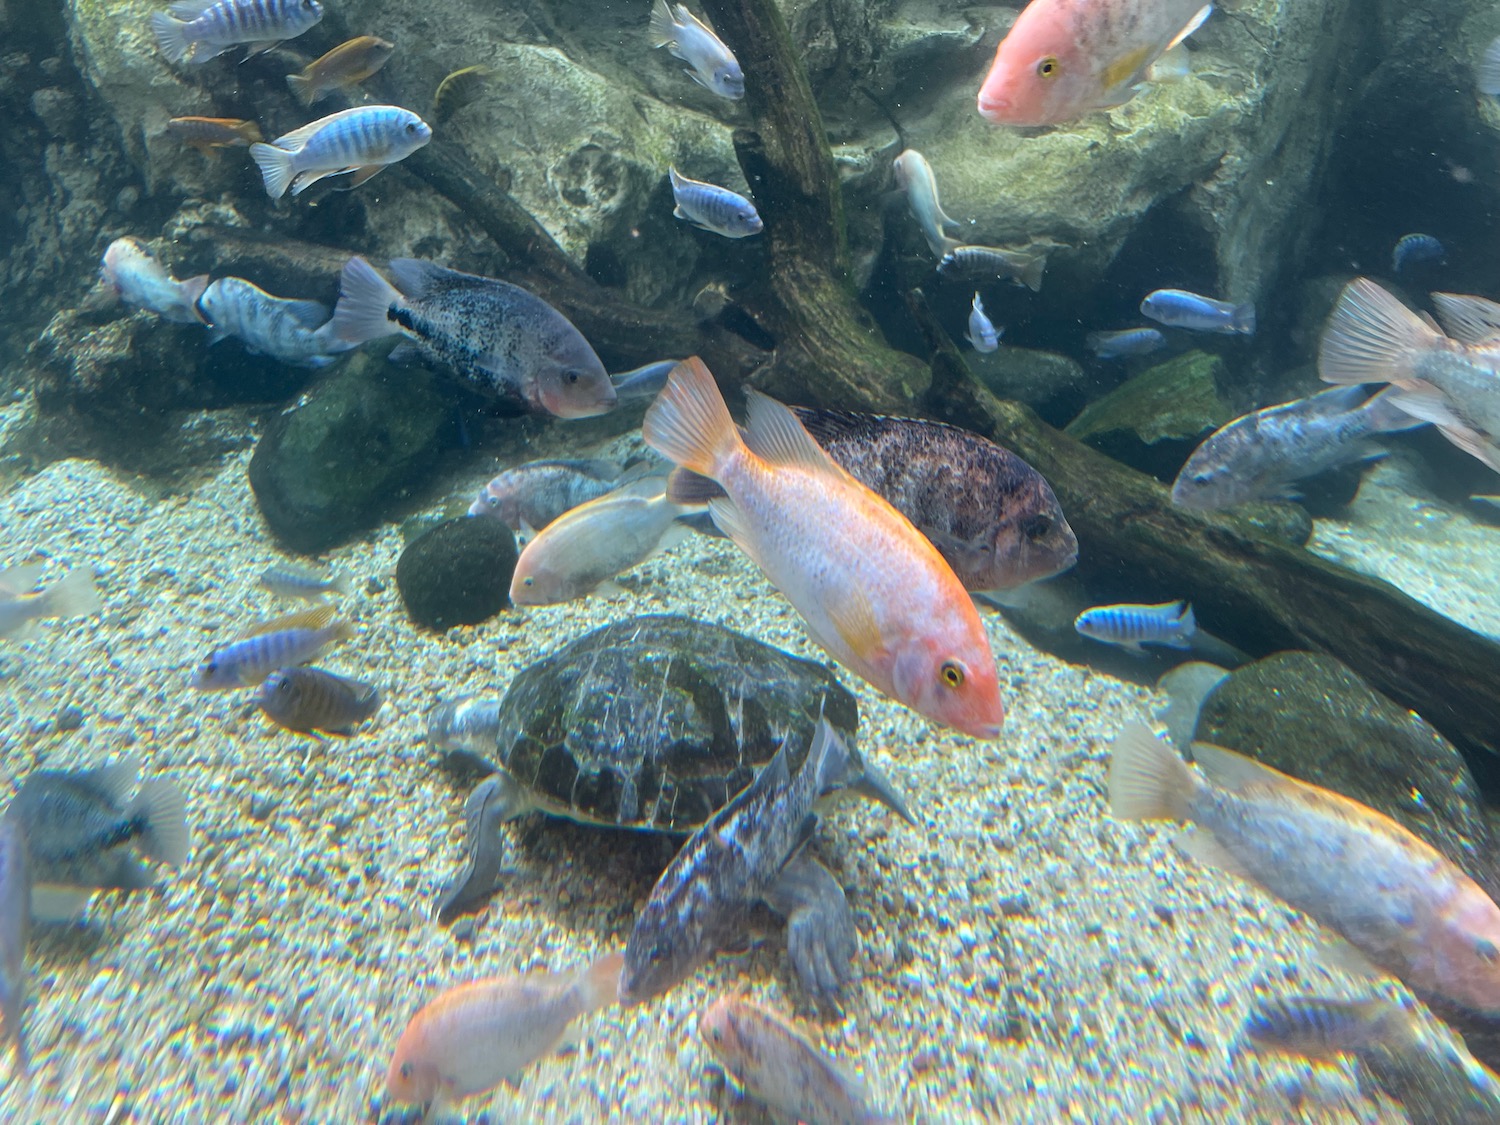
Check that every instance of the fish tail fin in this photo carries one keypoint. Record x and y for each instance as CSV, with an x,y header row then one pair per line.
x,y
689,422
339,584
1187,624
1318,1028
1030,274
599,984
1373,338
1386,416
275,166
365,303
663,26
170,37
1243,320
191,290
302,87
161,804
75,595
1147,778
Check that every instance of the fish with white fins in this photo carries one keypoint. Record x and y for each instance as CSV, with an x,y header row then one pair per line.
x,y
1261,455
586,548
1125,342
1401,904
139,280
285,642
502,341
1452,380
1415,1061
1178,308
1024,267
86,832
73,595
279,327
360,142
777,1066
474,1036
914,176
1130,626
712,208
714,66
287,580
198,30
982,332
15,932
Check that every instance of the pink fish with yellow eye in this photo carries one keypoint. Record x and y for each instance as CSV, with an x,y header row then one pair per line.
x,y
1066,58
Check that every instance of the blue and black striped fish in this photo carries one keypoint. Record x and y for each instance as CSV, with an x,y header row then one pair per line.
x,y
1131,626
282,643
199,30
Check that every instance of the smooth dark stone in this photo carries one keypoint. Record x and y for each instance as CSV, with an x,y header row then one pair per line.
x,y
458,573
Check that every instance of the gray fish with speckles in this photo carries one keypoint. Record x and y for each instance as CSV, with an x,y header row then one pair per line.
x,y
536,493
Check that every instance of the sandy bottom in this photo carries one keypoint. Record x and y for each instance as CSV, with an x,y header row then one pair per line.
x,y
1023,956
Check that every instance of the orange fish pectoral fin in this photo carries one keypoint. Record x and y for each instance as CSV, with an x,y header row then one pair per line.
x,y
1200,845
1122,74
854,620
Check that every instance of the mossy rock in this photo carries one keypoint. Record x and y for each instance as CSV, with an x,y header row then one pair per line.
x,y
1027,375
457,573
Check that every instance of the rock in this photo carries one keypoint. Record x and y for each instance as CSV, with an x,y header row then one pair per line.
x,y
458,573
1153,421
349,452
1027,375
1310,716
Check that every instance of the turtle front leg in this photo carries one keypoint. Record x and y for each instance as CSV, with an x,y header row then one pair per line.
x,y
493,801
820,936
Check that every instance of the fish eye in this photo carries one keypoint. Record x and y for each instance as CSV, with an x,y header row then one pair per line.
x,y
1048,67
411,126
571,376
210,667
952,675
1036,526
283,684
406,1070
528,582
1487,949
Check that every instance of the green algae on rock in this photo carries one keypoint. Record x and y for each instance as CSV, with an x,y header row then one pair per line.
x,y
457,573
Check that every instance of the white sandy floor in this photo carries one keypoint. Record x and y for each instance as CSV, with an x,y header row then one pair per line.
x,y
1023,956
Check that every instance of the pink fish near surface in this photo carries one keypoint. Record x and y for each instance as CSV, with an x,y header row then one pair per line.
x,y
1066,58
871,588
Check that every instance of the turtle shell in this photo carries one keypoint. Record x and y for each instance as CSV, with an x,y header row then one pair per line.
x,y
656,721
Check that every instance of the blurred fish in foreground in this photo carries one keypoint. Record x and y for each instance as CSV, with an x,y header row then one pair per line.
x,y
1130,626
73,595
197,31
348,64
1125,342
872,590
645,381
15,932
287,641
279,327
1396,900
83,831
287,580
461,88
360,142
778,1066
1452,381
982,333
914,176
207,134
713,208
139,279
473,1037
1431,1074
314,702
1411,249
1178,308
1260,456
1024,267
714,66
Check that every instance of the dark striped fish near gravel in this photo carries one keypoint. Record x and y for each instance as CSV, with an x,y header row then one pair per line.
x,y
713,208
283,643
1130,626
279,327
314,702
360,141
15,932
196,31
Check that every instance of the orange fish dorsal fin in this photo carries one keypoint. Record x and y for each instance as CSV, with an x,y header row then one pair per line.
x,y
854,619
774,435
1232,771
318,617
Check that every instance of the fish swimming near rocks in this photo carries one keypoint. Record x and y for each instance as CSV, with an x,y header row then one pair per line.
x,y
872,590
348,64
278,327
1261,455
1125,342
361,142
84,832
915,177
501,340
1452,380
288,581
73,595
196,31
1130,626
982,333
208,134
1024,266
1402,905
139,279
536,493
314,702
777,1066
1064,59
1413,249
283,643
713,65
1178,308
461,88
474,1036
15,932
991,515
712,208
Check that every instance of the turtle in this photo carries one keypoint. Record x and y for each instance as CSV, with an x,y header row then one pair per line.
x,y
654,723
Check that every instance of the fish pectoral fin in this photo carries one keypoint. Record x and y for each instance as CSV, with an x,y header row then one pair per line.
x,y
854,620
362,175
1198,20
728,519
693,74
1119,79
253,49
305,180
52,902
1201,847
1235,772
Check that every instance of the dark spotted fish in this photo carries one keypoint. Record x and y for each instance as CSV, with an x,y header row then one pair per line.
x,y
312,701
993,516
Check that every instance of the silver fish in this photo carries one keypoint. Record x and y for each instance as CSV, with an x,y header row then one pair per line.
x,y
982,333
15,932
362,141
914,177
1259,456
139,279
278,327
714,66
1024,267
1125,342
536,493
498,338
282,643
199,30
73,595
1177,308
1131,626
287,581
713,208
644,381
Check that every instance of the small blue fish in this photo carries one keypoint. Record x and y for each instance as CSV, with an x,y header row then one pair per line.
x,y
362,140
283,643
296,582
714,208
1125,342
1177,308
1130,626
1413,248
982,333
644,381
199,30
694,42
274,326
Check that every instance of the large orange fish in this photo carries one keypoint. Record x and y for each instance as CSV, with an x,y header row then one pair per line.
x,y
1066,58
872,590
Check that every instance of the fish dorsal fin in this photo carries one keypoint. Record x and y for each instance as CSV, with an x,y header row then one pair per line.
x,y
687,17
318,617
854,618
778,771
309,314
416,277
294,140
117,779
1469,320
830,425
21,579
1336,400
190,10
1232,771
1199,19
773,434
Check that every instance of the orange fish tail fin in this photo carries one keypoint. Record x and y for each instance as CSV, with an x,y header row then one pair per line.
x,y
599,984
689,422
1147,779
1373,338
